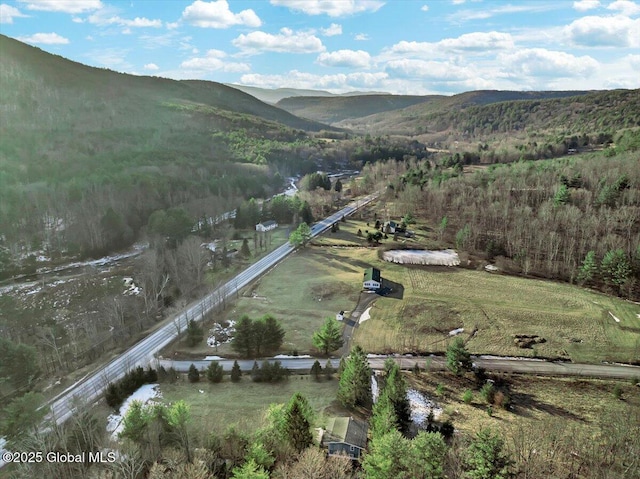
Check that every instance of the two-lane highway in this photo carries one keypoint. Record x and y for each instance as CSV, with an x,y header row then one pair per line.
x,y
143,353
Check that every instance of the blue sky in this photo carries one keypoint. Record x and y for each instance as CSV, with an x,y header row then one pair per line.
x,y
398,46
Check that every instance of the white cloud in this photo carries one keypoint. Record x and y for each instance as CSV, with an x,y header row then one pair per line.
x,y
539,62
45,39
113,58
217,14
424,8
626,7
8,13
361,37
213,61
633,61
584,5
172,25
332,30
332,8
287,41
427,69
102,18
66,6
345,58
481,14
151,67
297,79
615,31
475,42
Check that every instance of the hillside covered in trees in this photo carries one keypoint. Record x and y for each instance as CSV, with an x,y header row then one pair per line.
x,y
479,115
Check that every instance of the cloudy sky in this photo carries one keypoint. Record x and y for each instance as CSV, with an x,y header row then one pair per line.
x,y
398,46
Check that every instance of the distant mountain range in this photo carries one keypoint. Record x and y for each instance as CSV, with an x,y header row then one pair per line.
x,y
273,96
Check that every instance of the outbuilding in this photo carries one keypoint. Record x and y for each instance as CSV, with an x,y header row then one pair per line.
x,y
266,226
345,435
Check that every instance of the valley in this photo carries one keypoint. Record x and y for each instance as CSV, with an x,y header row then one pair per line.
x,y
226,270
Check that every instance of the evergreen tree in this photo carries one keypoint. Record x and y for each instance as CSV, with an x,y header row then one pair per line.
x,y
395,388
615,268
354,388
22,417
328,370
236,372
195,333
338,186
383,417
273,334
316,370
485,457
256,374
250,470
458,358
562,196
244,249
243,341
305,213
214,372
298,417
193,375
329,337
589,268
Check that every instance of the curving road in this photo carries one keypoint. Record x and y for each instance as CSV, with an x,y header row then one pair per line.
x,y
512,365
143,353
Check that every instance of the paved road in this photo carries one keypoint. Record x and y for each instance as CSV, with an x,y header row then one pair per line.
x,y
143,353
514,365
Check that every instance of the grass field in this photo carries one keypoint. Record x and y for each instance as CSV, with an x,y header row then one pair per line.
x,y
575,323
300,292
244,404
573,403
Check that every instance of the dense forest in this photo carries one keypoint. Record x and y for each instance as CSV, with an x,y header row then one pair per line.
x,y
575,219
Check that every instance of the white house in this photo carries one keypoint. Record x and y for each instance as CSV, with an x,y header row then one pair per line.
x,y
372,279
266,226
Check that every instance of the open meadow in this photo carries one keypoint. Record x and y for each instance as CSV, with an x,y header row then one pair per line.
x,y
570,322
216,407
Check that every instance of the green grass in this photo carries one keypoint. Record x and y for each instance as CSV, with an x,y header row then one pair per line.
x,y
245,403
575,322
301,292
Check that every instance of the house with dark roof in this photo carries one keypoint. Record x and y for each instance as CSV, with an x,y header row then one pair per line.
x,y
266,226
372,279
345,436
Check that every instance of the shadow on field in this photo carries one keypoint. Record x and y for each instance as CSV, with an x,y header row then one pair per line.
x,y
524,403
391,289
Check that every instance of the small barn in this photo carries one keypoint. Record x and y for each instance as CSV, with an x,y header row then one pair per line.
x,y
345,436
372,279
266,226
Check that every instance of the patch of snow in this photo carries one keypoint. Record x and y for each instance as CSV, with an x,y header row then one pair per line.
x,y
447,257
339,317
2,450
510,358
219,335
374,356
638,315
132,289
210,246
617,320
42,259
365,315
213,358
491,268
374,388
145,394
455,332
421,407
288,356
200,391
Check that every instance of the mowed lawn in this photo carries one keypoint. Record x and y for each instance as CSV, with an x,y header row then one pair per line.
x,y
575,323
244,404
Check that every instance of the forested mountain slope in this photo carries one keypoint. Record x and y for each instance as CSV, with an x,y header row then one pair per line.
x,y
483,113
340,109
76,141
335,109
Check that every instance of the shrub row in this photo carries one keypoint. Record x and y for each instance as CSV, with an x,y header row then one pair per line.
x,y
117,392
